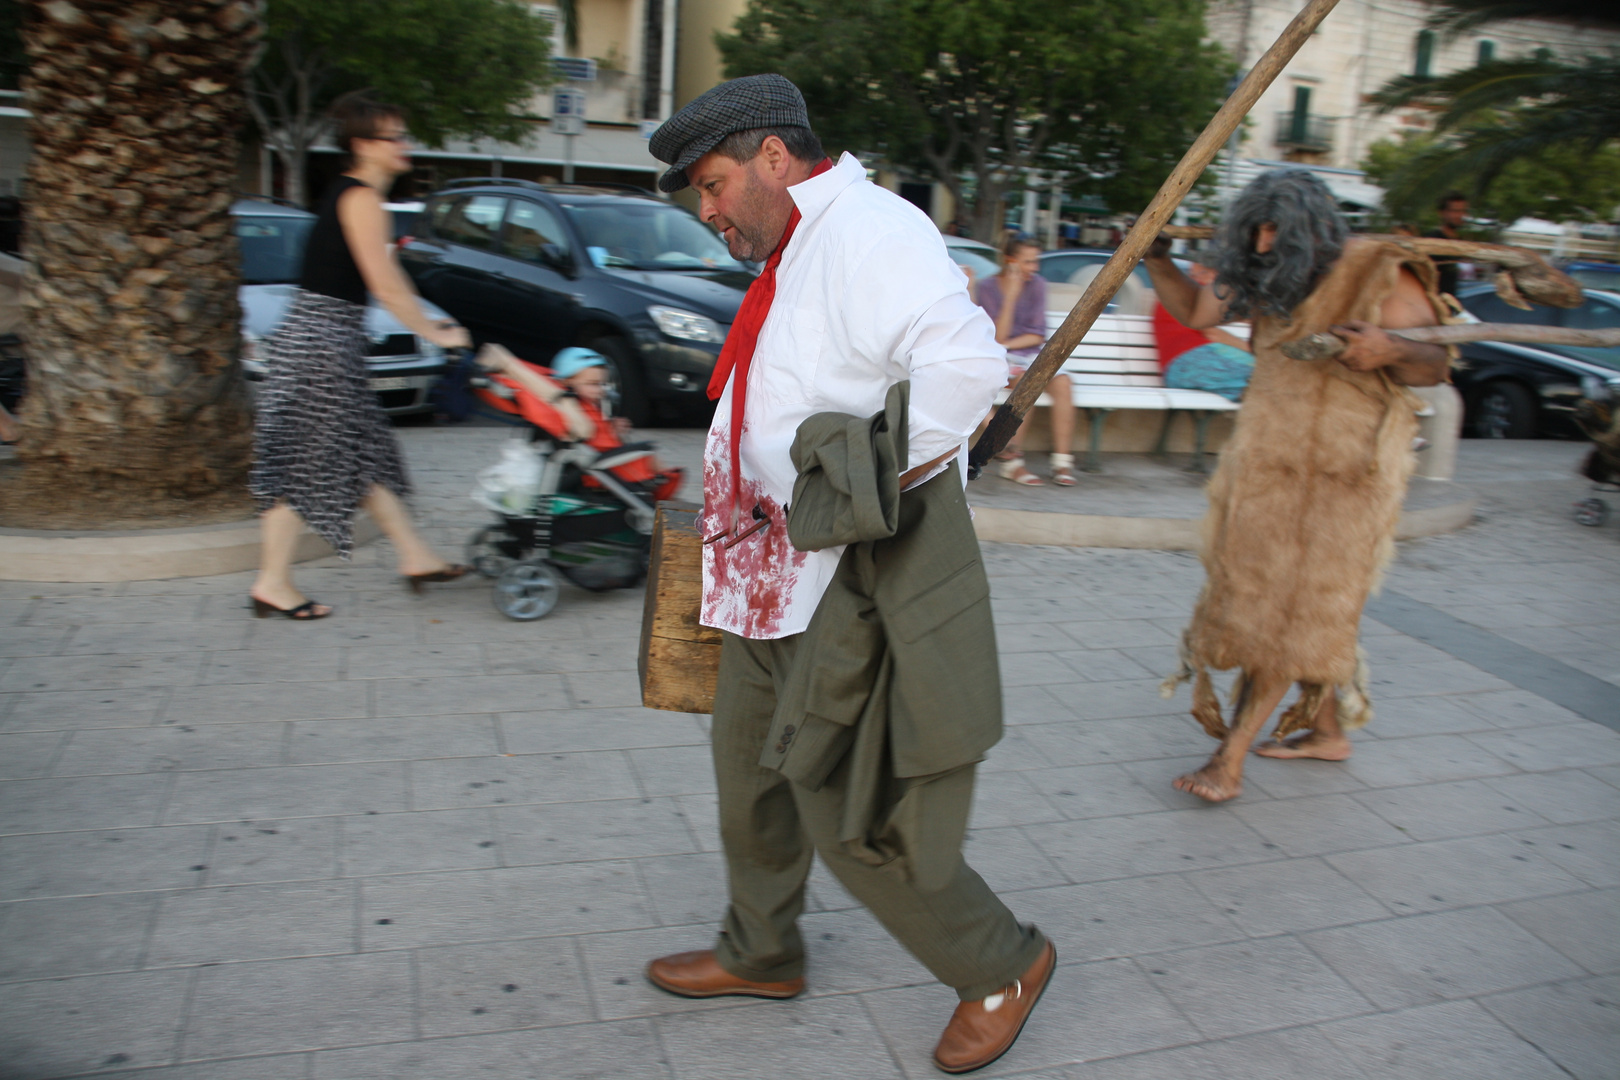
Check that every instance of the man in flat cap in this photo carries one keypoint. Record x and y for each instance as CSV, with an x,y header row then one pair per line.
x,y
859,311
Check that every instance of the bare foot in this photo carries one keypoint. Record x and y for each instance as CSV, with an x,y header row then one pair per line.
x,y
1211,783
1310,745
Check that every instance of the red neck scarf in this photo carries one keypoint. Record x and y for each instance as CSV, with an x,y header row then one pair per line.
x,y
738,352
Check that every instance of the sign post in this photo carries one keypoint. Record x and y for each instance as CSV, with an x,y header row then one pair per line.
x,y
568,120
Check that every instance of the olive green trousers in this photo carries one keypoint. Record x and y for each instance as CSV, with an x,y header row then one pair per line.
x,y
770,826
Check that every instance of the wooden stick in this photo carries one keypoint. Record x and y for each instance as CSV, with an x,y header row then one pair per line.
x,y
1147,228
1327,346
1528,276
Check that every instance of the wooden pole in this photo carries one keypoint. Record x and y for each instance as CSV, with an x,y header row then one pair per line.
x,y
1004,425
1327,346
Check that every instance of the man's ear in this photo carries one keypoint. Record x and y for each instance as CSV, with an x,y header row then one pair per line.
x,y
777,158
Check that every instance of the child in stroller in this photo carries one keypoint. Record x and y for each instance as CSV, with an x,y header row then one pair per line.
x,y
590,513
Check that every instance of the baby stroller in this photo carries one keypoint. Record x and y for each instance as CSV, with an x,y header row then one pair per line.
x,y
568,502
1598,418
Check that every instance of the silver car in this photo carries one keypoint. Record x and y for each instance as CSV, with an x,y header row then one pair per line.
x,y
272,236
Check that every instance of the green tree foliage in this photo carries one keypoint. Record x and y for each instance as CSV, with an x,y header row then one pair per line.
x,y
976,93
460,67
1559,183
1514,117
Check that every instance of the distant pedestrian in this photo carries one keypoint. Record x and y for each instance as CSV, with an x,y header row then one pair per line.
x,y
1453,212
323,447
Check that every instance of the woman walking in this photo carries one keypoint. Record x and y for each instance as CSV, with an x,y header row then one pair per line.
x,y
323,446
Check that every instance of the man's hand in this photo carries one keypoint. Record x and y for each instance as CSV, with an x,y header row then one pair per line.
x,y
1367,347
1370,348
1160,248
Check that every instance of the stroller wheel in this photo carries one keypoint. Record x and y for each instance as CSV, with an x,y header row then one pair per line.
x,y
527,590
484,554
1592,512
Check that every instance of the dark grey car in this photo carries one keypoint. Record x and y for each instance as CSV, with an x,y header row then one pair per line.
x,y
1517,391
540,267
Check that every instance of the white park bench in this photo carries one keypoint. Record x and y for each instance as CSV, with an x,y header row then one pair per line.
x,y
1116,366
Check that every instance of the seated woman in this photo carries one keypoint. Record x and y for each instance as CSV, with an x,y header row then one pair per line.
x,y
577,391
1016,300
1211,359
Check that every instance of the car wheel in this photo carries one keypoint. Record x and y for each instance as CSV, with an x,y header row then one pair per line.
x,y
624,373
1505,410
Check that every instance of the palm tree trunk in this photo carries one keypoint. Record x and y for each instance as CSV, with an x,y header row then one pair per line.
x,y
136,400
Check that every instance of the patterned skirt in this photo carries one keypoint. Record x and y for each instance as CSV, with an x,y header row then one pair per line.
x,y
320,437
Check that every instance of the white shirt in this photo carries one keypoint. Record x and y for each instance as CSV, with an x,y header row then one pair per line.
x,y
866,297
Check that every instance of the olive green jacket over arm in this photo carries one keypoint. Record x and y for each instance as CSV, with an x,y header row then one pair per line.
x,y
896,678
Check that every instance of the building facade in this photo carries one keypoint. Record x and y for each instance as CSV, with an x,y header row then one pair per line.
x,y
1318,112
624,64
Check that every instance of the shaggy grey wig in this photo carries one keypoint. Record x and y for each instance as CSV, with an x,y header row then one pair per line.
x,y
1310,238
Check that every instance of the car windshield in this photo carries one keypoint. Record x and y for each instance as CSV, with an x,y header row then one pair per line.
x,y
976,261
648,236
272,248
1593,277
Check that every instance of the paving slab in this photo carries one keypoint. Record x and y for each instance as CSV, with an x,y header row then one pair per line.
x,y
234,849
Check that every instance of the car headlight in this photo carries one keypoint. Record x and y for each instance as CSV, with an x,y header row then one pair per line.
x,y
686,325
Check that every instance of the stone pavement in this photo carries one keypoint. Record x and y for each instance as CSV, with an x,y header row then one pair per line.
x,y
418,840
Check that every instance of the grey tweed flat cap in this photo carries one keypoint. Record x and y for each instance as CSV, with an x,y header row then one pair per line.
x,y
755,101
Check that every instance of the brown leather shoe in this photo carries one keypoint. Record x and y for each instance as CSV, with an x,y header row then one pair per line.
x,y
981,1031
699,975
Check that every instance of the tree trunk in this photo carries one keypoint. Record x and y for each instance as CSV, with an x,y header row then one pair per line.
x,y
989,213
296,182
136,402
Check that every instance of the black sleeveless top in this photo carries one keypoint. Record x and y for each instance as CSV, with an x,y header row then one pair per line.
x,y
329,266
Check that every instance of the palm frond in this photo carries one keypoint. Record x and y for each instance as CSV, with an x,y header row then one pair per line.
x,y
1458,16
1496,83
1472,158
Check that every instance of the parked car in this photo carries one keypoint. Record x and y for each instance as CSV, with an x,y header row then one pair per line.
x,y
404,216
540,267
1516,391
979,259
272,235
1595,275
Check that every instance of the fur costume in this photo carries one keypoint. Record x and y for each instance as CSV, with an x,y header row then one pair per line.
x,y
1303,505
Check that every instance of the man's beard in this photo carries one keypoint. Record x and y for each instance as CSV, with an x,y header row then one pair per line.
x,y
1255,274
747,240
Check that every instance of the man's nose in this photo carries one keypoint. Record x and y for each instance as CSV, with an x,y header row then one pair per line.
x,y
706,210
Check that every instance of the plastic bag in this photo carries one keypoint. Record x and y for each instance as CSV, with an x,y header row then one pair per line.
x,y
512,484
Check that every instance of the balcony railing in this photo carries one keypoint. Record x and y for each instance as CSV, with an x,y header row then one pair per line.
x,y
1304,131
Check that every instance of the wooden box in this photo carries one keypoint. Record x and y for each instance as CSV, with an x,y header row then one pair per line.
x,y
680,659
